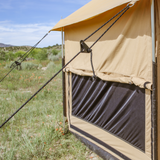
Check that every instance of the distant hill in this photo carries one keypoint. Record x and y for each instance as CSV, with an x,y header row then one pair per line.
x,y
5,45
11,48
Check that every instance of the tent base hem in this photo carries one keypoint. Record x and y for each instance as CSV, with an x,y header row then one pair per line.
x,y
99,151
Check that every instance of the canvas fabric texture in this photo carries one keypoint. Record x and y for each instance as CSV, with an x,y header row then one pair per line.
x,y
88,11
123,54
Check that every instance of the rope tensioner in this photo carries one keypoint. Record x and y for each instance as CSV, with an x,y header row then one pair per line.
x,y
86,49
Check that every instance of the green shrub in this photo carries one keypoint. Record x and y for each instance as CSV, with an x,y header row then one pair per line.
x,y
56,57
34,53
39,54
53,57
50,66
25,66
10,56
55,52
30,66
19,54
2,55
60,54
8,65
6,56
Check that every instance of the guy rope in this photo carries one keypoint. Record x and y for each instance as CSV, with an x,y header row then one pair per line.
x,y
22,58
84,49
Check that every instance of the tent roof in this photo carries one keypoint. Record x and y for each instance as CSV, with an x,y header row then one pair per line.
x,y
91,9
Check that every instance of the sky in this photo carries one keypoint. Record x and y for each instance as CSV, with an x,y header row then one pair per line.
x,y
25,22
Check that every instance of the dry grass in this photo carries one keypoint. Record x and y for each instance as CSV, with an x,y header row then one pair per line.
x,y
36,131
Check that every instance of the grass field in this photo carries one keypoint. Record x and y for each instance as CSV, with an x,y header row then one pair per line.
x,y
36,131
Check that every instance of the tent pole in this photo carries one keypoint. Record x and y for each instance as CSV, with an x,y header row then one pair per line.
x,y
63,81
153,31
62,42
154,88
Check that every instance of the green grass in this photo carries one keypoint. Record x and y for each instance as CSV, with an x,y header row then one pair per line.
x,y
36,131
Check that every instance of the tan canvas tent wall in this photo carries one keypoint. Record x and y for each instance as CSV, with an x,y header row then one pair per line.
x,y
121,35
113,114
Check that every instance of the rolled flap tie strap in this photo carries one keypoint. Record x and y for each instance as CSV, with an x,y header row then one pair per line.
x,y
145,85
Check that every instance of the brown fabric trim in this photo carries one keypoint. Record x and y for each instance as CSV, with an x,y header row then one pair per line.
x,y
115,142
90,140
99,151
100,142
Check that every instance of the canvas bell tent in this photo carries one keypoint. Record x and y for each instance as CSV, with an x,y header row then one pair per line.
x,y
112,85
